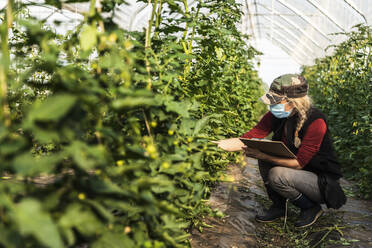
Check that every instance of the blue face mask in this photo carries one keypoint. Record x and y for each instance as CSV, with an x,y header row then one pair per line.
x,y
278,111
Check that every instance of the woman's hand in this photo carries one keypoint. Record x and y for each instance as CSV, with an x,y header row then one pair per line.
x,y
257,154
230,145
252,152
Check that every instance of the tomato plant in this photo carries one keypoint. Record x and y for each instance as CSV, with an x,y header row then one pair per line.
x,y
340,85
104,133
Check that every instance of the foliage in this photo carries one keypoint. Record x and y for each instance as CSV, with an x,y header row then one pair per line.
x,y
104,132
341,85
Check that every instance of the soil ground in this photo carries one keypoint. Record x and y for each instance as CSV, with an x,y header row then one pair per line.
x,y
242,199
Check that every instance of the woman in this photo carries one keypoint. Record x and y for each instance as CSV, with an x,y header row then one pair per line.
x,y
311,178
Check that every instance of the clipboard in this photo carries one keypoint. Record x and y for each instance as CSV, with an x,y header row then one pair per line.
x,y
275,148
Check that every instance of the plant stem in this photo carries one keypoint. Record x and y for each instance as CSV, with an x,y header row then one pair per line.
x,y
188,45
5,62
100,22
322,239
158,16
147,123
194,28
92,8
187,15
148,42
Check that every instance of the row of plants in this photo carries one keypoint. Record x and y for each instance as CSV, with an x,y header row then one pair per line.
x,y
104,133
341,85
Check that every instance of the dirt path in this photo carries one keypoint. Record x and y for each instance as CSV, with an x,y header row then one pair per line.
x,y
350,226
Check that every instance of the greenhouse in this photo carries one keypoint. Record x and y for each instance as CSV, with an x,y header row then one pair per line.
x,y
185,123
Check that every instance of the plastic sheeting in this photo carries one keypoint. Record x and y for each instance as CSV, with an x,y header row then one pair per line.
x,y
301,28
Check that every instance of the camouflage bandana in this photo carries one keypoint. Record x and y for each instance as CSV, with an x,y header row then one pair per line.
x,y
285,86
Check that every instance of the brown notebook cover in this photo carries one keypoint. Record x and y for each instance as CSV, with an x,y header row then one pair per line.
x,y
275,148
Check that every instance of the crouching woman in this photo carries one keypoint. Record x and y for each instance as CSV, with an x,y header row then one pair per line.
x,y
312,178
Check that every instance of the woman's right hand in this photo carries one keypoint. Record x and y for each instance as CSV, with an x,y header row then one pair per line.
x,y
230,145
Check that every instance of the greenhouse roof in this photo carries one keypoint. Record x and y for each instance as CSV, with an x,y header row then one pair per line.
x,y
301,28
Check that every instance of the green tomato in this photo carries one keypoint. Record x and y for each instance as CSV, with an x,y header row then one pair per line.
x,y
151,149
147,244
165,165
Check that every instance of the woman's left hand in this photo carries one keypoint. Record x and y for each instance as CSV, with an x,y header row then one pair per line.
x,y
252,152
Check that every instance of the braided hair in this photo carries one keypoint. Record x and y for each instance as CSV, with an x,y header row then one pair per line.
x,y
302,105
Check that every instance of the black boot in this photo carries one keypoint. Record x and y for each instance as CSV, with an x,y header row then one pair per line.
x,y
276,210
310,211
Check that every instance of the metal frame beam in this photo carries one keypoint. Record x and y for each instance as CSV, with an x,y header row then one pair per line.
x,y
255,7
291,43
352,5
135,16
73,8
277,14
326,13
250,20
141,17
286,49
289,21
304,17
290,33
